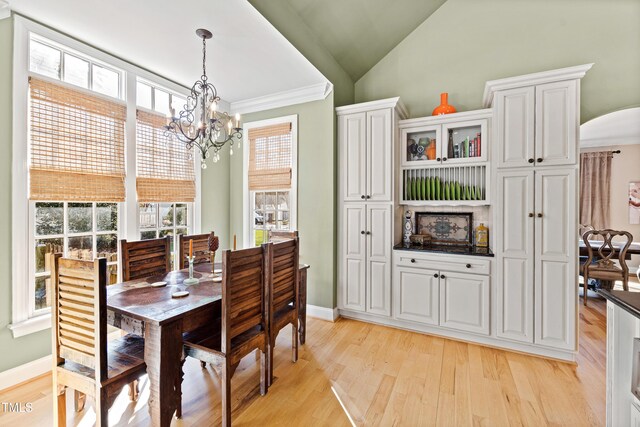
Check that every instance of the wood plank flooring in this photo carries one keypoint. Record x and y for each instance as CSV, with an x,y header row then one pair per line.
x,y
379,376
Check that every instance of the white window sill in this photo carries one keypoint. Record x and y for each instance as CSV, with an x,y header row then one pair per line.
x,y
29,326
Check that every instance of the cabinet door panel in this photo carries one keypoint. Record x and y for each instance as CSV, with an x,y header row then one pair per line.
x,y
515,111
353,140
379,259
416,294
464,302
354,262
379,155
515,252
557,123
555,258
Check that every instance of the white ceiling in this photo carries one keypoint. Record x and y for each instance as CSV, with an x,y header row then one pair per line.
x,y
247,57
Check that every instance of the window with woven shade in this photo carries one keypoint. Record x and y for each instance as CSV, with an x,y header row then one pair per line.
x,y
164,166
270,157
76,150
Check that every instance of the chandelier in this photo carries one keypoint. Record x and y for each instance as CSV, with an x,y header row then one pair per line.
x,y
200,125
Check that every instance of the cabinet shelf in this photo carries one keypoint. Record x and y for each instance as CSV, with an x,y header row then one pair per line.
x,y
445,186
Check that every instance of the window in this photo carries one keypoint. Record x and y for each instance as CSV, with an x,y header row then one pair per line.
x,y
270,185
165,219
71,131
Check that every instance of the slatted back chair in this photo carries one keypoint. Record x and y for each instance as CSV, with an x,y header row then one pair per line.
x,y
284,295
82,358
145,258
600,263
276,236
200,249
244,321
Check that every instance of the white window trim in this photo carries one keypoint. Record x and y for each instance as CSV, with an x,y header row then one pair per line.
x,y
22,323
247,214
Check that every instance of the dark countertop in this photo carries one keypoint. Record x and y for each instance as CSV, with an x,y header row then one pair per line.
x,y
630,301
446,249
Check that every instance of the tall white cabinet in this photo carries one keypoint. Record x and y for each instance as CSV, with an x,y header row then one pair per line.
x,y
367,141
536,142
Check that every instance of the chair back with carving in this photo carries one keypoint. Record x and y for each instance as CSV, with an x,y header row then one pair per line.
x,y
200,249
145,258
583,228
607,252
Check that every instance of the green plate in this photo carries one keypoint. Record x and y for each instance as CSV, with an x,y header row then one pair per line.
x,y
437,189
418,189
447,191
479,193
413,188
433,189
427,188
457,191
424,189
473,193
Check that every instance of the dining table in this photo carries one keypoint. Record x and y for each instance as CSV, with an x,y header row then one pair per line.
x,y
634,248
147,308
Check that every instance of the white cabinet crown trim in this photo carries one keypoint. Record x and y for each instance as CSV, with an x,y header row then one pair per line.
x,y
394,103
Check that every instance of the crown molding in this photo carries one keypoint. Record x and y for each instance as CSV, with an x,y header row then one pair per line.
x,y
372,105
569,73
282,99
617,128
5,9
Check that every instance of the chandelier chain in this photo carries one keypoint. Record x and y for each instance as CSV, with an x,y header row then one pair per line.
x,y
204,57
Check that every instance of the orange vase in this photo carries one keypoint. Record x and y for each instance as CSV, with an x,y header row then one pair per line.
x,y
444,107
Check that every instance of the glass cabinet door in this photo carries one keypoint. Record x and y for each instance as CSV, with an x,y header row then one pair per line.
x,y
421,145
464,142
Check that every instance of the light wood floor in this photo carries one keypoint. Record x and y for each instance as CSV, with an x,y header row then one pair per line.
x,y
382,376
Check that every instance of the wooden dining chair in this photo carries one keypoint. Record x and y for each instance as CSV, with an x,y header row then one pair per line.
x,y
145,258
276,236
200,249
600,263
83,360
244,322
284,295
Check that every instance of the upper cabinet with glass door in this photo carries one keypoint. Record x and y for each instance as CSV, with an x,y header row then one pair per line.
x,y
447,139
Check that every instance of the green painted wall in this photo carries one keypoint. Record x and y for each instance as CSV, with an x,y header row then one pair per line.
x,y
215,198
316,193
467,42
25,349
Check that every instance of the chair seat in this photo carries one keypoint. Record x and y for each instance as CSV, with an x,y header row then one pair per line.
x,y
609,273
124,355
205,337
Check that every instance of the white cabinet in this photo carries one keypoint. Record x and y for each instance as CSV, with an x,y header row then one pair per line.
x,y
537,125
536,246
378,235
634,416
417,295
366,160
464,302
354,257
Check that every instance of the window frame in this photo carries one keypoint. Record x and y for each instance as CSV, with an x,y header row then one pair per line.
x,y
157,229
247,197
24,320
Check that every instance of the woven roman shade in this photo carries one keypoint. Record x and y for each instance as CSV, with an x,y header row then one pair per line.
x,y
270,157
76,145
164,165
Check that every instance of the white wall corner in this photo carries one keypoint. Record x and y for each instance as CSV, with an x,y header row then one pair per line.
x,y
301,95
323,313
5,9
19,374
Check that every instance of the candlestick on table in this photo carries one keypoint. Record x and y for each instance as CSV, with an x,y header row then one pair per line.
x,y
190,248
234,242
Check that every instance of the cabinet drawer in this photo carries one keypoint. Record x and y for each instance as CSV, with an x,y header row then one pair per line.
x,y
457,263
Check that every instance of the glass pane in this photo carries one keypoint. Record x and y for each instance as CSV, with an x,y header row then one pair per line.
x,y
182,231
44,60
283,201
107,247
80,247
270,218
270,201
76,71
421,146
259,201
44,247
143,95
49,218
107,217
258,217
148,216
164,233
112,274
146,235
106,81
259,237
166,215
43,293
80,217
181,214
162,102
178,103
464,142
285,220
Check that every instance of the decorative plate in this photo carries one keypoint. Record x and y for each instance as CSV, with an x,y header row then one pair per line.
x,y
158,284
445,227
180,294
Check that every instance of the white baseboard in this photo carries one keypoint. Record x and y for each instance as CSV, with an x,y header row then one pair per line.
x,y
22,373
323,313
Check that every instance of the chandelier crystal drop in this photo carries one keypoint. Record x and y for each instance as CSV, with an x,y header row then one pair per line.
x,y
200,124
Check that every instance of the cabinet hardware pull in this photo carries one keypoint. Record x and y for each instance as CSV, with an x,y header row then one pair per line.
x,y
442,276
530,214
362,197
413,260
368,232
540,215
436,275
362,232
444,159
468,265
539,159
367,197
438,159
531,160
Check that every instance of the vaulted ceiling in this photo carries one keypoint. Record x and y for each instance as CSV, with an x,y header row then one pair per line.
x,y
359,33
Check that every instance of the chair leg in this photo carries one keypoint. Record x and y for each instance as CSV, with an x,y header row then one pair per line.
x,y
102,407
59,404
270,347
294,342
226,393
79,400
625,284
203,364
179,389
264,371
585,288
134,390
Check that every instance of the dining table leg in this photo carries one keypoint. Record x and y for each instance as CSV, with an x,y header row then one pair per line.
x,y
162,354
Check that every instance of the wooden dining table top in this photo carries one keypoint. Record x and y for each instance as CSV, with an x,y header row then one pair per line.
x,y
634,248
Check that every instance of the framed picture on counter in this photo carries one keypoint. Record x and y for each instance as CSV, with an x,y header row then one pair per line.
x,y
446,228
